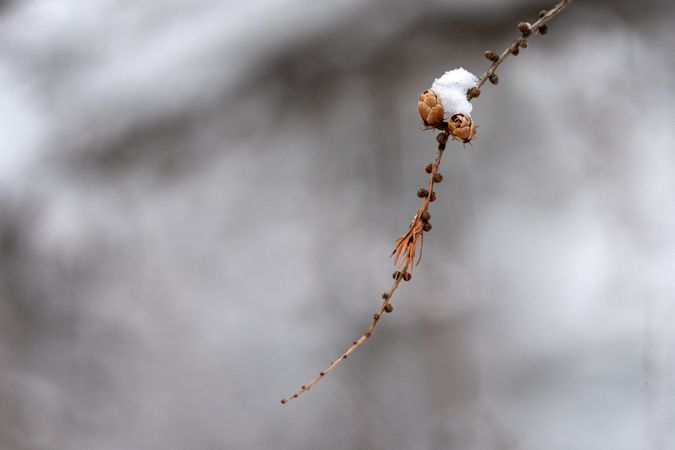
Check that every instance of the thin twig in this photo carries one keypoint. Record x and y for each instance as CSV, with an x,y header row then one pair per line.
x,y
403,273
517,44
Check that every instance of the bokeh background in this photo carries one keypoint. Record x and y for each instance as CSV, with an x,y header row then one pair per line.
x,y
198,200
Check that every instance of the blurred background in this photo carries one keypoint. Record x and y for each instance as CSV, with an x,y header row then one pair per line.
x,y
198,201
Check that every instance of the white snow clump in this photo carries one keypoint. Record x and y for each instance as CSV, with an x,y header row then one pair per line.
x,y
451,88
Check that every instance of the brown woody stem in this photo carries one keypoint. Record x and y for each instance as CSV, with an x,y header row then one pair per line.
x,y
386,298
518,43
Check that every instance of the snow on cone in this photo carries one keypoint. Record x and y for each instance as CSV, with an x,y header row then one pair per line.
x,y
445,106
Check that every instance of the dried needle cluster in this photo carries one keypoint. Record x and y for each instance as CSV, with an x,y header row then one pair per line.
x,y
460,128
406,245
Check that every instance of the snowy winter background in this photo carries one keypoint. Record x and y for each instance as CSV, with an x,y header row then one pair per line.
x,y
198,198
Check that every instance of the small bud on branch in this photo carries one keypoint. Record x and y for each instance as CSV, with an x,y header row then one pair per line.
x,y
526,31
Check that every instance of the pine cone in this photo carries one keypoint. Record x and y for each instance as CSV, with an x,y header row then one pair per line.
x,y
430,109
461,127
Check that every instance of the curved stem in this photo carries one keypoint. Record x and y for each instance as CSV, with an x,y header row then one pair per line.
x,y
406,264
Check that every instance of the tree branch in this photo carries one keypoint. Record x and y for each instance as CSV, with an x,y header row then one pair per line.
x,y
405,260
406,245
526,30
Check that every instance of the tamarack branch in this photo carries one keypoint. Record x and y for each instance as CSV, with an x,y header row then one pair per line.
x,y
526,30
405,248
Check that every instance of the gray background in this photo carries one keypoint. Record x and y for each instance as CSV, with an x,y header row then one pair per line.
x,y
198,200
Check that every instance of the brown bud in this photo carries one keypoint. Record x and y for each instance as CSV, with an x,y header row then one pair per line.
x,y
490,55
426,215
283,401
429,168
473,93
432,197
407,276
438,178
515,50
426,227
421,192
388,308
524,28
494,79
376,316
543,29
344,356
396,275
385,295
542,13
523,44
441,138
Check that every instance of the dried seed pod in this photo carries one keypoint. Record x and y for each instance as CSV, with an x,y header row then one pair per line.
x,y
494,79
432,196
461,127
388,308
426,227
429,168
438,178
406,276
430,109
426,215
515,49
543,29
